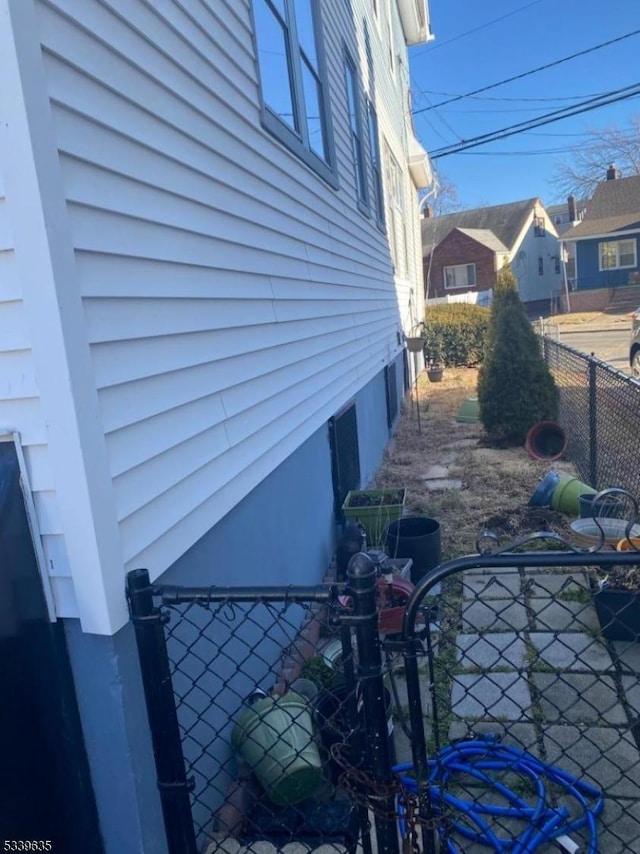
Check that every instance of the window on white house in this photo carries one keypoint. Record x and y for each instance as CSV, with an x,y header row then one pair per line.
x,y
459,276
355,127
538,226
556,259
540,267
374,149
293,80
394,202
618,254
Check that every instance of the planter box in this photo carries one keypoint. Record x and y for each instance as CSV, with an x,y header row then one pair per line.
x,y
619,613
368,507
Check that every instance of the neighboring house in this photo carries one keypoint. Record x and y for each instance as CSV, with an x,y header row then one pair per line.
x,y
462,252
608,238
565,217
209,250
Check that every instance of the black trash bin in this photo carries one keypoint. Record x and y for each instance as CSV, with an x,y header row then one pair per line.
x,y
418,538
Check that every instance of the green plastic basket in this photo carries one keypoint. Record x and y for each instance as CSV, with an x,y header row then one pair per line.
x,y
376,517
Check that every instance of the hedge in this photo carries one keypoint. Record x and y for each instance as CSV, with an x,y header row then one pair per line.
x,y
456,334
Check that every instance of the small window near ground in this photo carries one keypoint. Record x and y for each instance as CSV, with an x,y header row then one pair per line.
x,y
460,276
618,254
293,80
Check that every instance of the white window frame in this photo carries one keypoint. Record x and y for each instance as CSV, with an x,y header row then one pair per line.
x,y
296,138
395,212
615,244
464,286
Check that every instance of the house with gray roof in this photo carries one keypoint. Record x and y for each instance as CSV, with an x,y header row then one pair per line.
x,y
462,252
607,240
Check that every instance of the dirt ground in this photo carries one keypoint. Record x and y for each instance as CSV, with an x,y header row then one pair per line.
x,y
496,485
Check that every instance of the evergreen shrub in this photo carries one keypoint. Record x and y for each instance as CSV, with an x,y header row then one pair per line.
x,y
515,386
456,334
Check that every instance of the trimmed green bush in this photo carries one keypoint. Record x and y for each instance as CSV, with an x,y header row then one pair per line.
x,y
456,334
515,387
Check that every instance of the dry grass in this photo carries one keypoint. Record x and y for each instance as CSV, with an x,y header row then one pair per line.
x,y
496,484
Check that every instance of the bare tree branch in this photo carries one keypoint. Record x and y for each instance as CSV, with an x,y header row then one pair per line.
x,y
586,166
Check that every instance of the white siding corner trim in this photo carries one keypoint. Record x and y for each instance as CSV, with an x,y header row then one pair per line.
x,y
56,325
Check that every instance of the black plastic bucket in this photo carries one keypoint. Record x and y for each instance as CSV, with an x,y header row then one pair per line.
x,y
418,538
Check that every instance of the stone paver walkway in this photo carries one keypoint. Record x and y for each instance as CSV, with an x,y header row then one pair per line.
x,y
530,665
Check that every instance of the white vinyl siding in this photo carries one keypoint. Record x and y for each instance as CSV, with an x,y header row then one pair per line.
x,y
618,254
459,276
233,301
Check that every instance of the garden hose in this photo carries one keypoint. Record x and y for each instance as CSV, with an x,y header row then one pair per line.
x,y
480,758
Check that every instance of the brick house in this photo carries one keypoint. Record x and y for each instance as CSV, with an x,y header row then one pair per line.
x,y
462,252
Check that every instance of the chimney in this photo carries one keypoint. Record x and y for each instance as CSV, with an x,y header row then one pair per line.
x,y
571,204
612,172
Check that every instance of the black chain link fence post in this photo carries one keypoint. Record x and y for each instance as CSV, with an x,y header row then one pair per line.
x,y
593,423
161,709
361,578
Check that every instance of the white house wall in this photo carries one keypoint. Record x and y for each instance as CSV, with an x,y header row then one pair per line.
x,y
524,259
232,301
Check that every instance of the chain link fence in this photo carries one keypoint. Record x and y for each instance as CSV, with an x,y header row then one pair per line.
x,y
600,413
499,709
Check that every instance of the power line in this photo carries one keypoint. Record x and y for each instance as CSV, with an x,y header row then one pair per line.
x,y
532,71
586,106
495,98
431,48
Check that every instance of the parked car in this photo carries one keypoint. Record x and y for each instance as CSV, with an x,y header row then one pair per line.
x,y
634,347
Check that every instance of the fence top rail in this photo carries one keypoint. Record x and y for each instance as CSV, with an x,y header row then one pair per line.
x,y
172,595
504,559
591,358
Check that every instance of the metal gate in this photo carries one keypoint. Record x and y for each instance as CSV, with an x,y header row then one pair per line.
x,y
524,702
514,714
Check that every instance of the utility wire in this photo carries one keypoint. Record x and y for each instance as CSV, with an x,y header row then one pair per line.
x,y
532,71
586,106
496,98
431,48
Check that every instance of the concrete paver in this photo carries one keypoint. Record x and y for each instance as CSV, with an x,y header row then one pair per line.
x,y
484,587
496,616
550,584
631,688
486,652
493,695
579,698
552,615
628,655
572,651
600,755
515,734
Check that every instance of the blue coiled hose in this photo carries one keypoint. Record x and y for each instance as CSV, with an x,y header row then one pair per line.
x,y
479,758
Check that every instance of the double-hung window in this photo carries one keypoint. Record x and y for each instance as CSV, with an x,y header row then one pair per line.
x,y
459,276
293,79
354,104
395,212
376,167
618,254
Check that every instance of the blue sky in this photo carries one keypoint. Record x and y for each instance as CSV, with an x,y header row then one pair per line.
x,y
535,32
